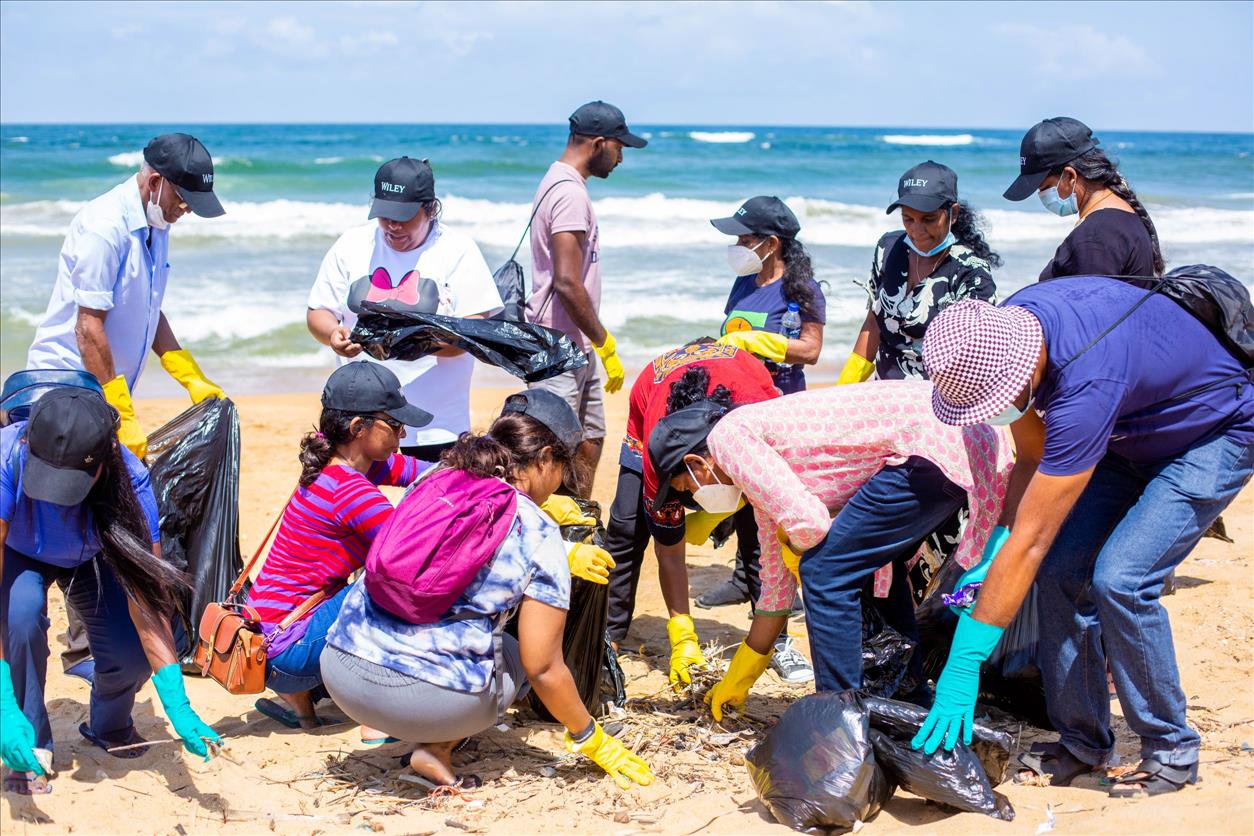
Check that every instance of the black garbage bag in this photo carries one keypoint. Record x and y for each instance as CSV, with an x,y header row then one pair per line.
x,y
816,769
524,349
885,653
193,462
990,746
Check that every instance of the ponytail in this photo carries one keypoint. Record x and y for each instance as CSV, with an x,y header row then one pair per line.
x,y
1096,167
318,448
514,442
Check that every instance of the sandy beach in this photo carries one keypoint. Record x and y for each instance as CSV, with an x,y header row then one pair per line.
x,y
275,779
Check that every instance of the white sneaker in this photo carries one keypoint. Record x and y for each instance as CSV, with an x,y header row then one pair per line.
x,y
789,664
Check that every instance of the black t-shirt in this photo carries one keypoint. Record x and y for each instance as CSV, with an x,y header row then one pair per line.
x,y
1109,242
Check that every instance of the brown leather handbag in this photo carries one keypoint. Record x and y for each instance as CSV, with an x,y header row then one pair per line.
x,y
230,647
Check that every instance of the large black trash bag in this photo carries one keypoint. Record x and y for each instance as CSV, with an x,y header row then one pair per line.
x,y
532,352
193,462
963,778
885,653
816,770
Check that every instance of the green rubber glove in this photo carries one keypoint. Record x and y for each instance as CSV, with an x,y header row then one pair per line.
x,y
169,684
977,573
953,713
17,735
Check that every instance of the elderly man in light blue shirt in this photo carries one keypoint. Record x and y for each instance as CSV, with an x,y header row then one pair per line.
x,y
105,312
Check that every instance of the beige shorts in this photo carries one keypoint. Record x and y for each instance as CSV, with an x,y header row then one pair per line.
x,y
582,390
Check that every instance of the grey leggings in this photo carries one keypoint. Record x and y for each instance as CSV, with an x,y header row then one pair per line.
x,y
410,709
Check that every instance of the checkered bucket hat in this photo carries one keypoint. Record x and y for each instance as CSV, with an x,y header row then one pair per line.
x,y
980,358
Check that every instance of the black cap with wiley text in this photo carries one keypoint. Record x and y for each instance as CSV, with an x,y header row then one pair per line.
x,y
69,436
363,387
1046,146
401,186
185,162
603,119
926,187
761,215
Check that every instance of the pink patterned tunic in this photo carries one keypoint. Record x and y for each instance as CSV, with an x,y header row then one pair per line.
x,y
800,458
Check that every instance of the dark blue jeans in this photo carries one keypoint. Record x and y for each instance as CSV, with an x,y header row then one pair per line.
x,y
884,522
92,590
296,668
1098,591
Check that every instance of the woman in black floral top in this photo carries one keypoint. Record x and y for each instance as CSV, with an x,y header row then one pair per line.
x,y
940,257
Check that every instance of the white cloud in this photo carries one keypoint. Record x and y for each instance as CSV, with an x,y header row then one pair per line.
x,y
352,44
1078,51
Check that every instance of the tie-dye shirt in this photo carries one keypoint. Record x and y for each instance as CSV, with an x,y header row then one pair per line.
x,y
801,457
456,652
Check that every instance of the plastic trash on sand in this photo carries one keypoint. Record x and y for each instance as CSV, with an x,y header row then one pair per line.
x,y
885,654
193,462
525,350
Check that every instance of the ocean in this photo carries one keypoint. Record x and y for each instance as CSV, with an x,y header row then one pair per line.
x,y
239,283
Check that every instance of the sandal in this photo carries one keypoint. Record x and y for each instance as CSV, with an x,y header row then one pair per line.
x,y
282,714
1052,762
1153,778
126,737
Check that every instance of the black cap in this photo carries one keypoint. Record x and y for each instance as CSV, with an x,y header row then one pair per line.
x,y
603,119
1046,146
401,186
69,435
677,435
366,387
184,161
761,215
926,187
549,409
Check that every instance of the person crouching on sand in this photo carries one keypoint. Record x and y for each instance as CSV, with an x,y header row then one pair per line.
x,y
76,507
327,528
419,649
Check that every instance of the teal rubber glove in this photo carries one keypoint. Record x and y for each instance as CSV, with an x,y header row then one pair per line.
x,y
979,571
953,713
169,684
17,735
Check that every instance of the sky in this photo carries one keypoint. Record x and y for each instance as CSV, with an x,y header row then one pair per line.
x,y
1127,66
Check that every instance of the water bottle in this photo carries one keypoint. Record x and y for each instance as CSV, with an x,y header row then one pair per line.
x,y
790,327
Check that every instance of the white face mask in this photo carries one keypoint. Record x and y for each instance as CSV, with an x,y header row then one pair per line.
x,y
743,260
717,498
156,217
1011,413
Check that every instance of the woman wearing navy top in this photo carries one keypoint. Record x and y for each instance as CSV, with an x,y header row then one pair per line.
x,y
772,269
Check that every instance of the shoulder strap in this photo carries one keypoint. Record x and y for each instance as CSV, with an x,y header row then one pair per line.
x,y
534,210
248,567
1139,302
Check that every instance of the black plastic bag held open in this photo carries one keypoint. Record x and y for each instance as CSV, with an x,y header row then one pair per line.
x,y
193,462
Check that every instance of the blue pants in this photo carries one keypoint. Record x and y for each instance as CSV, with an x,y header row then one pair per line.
x,y
1098,591
296,668
91,589
884,522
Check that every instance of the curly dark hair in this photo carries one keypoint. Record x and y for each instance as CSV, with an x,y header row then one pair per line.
x,y
693,386
513,442
968,228
1096,167
798,277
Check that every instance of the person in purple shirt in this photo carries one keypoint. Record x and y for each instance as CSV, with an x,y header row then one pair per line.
x,y
1134,428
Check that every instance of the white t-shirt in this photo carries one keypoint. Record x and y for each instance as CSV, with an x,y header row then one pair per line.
x,y
446,275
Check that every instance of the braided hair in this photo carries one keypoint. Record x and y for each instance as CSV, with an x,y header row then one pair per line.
x,y
1094,166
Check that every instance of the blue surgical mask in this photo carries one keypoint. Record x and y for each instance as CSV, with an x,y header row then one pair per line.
x,y
1011,413
1062,208
949,241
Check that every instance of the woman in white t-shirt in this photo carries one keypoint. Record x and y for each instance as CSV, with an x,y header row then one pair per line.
x,y
411,257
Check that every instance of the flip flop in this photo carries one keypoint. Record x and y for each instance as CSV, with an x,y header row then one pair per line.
x,y
280,714
379,741
127,737
466,781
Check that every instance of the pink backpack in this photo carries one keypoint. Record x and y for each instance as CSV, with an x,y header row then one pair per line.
x,y
445,529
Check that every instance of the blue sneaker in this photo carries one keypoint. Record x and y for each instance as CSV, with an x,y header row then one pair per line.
x,y
84,670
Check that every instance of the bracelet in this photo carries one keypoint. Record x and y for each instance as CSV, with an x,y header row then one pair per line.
x,y
584,735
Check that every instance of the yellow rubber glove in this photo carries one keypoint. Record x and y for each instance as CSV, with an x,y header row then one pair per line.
x,y
699,525
745,668
857,369
183,368
118,394
565,511
765,344
623,765
685,650
592,563
791,559
614,374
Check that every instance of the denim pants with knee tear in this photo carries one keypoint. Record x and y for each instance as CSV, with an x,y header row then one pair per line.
x,y
1098,592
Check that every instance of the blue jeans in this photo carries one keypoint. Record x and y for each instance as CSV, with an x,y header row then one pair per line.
x,y
296,668
91,588
884,522
1098,593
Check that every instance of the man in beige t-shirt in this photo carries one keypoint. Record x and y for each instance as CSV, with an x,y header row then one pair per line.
x,y
566,270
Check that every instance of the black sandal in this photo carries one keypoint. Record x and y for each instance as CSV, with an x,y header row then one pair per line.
x,y
1053,762
1153,778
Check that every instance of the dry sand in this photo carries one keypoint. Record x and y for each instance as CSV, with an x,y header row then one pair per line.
x,y
292,782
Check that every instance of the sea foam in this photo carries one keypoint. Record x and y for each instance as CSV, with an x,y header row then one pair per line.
x,y
928,139
721,136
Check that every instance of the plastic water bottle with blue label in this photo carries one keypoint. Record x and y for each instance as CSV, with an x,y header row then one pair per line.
x,y
790,327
